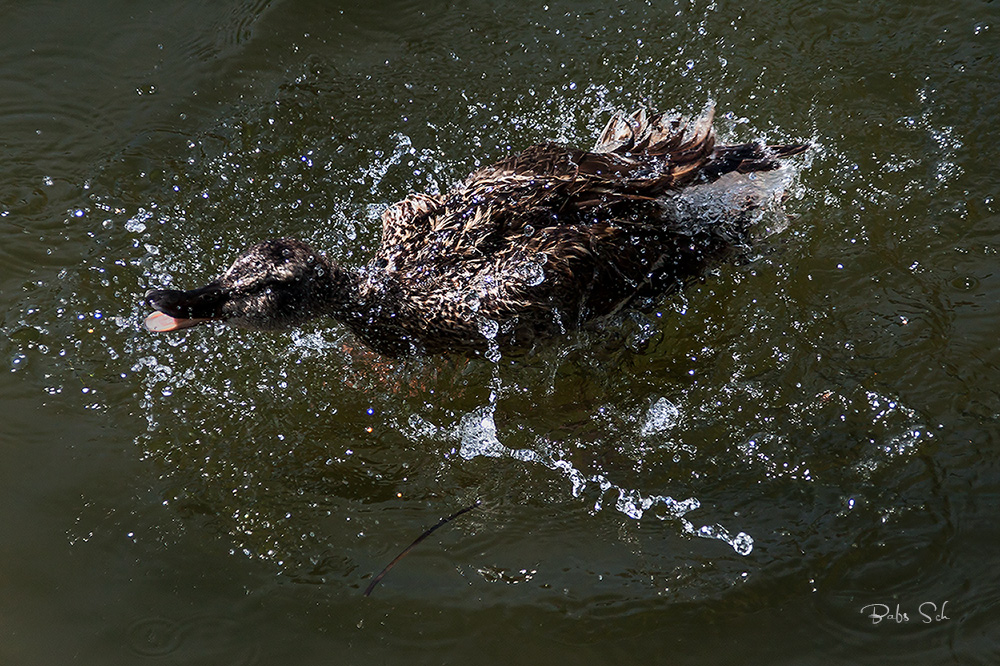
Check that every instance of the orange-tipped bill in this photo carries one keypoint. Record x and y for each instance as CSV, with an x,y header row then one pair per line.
x,y
176,310
160,322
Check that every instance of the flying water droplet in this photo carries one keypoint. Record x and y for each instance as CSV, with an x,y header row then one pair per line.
x,y
663,415
478,435
472,301
532,274
488,328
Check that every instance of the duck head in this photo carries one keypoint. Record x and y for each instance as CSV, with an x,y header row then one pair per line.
x,y
275,284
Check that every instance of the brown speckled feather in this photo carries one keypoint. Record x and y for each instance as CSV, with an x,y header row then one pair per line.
x,y
552,236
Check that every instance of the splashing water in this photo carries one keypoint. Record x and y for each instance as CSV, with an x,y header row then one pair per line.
x,y
477,436
662,416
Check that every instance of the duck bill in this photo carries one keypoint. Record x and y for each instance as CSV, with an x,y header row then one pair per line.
x,y
158,322
176,310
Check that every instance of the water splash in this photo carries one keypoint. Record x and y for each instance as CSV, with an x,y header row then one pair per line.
x,y
663,415
532,273
477,435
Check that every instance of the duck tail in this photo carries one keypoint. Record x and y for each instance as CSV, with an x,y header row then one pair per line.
x,y
749,157
659,135
689,146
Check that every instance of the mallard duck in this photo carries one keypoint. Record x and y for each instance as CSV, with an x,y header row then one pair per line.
x,y
530,247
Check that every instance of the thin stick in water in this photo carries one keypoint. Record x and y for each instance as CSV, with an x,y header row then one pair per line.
x,y
381,575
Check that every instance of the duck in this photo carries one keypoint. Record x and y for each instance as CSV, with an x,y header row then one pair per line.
x,y
531,247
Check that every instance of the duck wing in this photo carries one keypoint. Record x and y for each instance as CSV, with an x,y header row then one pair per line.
x,y
553,236
579,202
637,158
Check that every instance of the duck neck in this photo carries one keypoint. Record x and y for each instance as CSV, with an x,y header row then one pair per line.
x,y
369,307
342,293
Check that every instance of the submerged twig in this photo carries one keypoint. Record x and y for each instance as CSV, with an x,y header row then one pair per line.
x,y
381,575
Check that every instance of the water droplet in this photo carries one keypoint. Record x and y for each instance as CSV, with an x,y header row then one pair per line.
x,y
478,434
472,301
532,274
663,415
743,543
488,328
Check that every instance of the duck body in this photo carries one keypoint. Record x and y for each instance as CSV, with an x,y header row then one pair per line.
x,y
527,248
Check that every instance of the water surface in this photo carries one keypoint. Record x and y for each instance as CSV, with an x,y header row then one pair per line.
x,y
737,474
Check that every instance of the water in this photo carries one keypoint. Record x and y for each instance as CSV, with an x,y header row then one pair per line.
x,y
744,473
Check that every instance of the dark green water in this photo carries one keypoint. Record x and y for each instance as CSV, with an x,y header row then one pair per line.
x,y
733,478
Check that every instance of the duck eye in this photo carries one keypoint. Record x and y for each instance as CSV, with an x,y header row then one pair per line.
x,y
381,262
